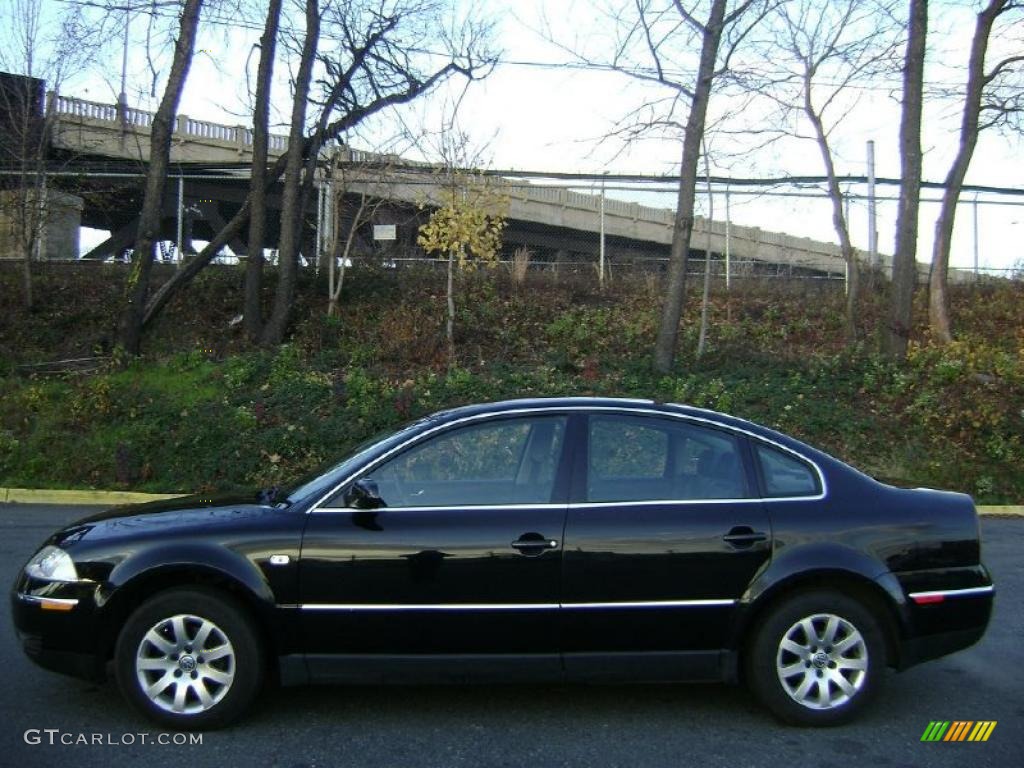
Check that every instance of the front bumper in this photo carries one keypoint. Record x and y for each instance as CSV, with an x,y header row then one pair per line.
x,y
56,627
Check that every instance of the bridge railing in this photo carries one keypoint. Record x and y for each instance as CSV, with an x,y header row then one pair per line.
x,y
204,130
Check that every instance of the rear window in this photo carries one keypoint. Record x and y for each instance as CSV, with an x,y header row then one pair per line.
x,y
784,474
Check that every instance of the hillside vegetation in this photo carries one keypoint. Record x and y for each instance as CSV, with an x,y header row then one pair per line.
x,y
202,411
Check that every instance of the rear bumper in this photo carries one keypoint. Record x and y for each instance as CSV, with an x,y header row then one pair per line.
x,y
941,622
928,647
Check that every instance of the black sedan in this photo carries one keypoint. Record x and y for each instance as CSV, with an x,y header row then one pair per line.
x,y
533,540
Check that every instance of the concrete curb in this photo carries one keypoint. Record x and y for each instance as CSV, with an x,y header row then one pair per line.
x,y
42,496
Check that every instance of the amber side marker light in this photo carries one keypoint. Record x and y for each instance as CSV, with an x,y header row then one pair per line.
x,y
46,606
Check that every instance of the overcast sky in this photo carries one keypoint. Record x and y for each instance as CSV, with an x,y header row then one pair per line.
x,y
551,118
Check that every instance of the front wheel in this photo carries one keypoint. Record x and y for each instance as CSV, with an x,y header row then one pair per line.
x,y
189,659
816,659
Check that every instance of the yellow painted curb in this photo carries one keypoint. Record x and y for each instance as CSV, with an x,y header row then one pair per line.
x,y
1009,510
44,496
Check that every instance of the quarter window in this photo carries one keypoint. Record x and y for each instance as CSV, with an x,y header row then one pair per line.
x,y
636,458
511,461
784,474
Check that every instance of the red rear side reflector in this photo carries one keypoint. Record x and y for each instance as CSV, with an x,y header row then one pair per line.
x,y
928,599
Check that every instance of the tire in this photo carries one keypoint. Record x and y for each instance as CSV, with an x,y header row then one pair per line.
x,y
816,659
189,659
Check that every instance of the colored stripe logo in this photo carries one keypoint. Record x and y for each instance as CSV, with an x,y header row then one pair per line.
x,y
958,730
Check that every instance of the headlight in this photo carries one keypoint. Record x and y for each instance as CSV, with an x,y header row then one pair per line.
x,y
52,564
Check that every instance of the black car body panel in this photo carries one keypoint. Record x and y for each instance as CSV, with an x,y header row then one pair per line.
x,y
559,588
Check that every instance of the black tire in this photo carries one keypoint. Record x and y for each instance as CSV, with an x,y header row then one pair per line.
x,y
156,646
840,640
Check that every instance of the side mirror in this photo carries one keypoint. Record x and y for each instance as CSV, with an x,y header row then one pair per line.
x,y
363,494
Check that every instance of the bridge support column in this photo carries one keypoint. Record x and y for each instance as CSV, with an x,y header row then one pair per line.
x,y
58,235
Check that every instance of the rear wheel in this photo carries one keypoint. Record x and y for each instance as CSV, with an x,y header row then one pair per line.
x,y
816,659
189,659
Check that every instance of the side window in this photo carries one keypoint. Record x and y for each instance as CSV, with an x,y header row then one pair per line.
x,y
510,461
784,474
639,458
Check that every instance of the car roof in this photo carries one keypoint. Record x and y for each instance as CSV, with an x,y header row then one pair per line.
x,y
626,403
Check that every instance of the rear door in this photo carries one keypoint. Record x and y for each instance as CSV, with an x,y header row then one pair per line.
x,y
463,560
663,536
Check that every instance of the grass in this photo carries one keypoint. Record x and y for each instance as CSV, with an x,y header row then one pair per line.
x,y
202,411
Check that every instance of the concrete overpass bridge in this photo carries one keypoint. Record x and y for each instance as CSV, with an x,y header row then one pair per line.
x,y
556,220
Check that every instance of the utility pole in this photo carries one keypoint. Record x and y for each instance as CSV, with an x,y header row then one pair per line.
x,y
728,271
600,258
872,211
122,97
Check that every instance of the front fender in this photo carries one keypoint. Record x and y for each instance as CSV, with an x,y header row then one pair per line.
x,y
162,566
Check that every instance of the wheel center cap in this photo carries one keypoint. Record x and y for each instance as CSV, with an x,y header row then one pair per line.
x,y
820,660
187,663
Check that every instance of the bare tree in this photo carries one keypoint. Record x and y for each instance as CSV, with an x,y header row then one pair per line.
x,y
35,57
366,66
817,55
137,288
292,196
653,43
372,189
904,258
985,106
257,194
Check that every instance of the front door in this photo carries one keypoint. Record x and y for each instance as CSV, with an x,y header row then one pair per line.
x,y
662,539
462,560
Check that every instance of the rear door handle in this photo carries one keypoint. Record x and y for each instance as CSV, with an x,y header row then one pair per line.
x,y
743,536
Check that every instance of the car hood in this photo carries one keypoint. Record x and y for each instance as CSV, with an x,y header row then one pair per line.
x,y
165,517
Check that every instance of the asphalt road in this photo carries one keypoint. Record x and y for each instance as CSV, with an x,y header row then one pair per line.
x,y
700,725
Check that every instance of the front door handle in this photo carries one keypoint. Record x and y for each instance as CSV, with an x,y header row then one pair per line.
x,y
533,544
743,536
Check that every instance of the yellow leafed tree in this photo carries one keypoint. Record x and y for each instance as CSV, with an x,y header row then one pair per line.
x,y
465,228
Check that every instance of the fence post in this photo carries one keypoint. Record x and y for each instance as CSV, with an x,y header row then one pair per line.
x,y
975,207
179,256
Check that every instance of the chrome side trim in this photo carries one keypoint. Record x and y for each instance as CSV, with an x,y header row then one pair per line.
x,y
467,506
68,601
315,507
509,606
970,591
656,604
429,607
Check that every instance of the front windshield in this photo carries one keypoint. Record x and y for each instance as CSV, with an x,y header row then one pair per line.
x,y
331,472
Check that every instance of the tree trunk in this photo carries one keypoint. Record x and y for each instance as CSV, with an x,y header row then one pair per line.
x,y
839,222
675,289
938,300
257,190
340,255
26,279
904,260
137,289
292,196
